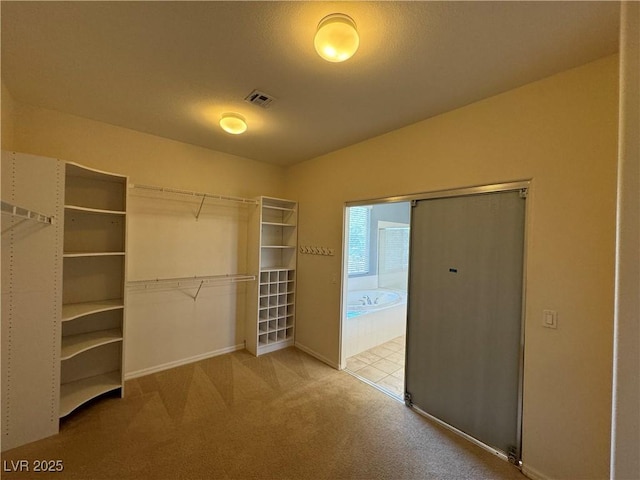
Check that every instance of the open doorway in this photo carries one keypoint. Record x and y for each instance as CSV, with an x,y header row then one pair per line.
x,y
376,253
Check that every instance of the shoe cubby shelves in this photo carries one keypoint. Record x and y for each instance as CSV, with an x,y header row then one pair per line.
x,y
271,310
93,281
276,307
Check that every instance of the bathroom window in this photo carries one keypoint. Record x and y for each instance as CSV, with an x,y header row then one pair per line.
x,y
393,247
359,233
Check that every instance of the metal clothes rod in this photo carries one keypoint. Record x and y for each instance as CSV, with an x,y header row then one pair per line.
x,y
191,282
16,211
244,201
231,277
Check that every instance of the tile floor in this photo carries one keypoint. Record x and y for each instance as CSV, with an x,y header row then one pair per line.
x,y
382,365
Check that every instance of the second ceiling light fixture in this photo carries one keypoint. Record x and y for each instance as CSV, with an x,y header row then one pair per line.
x,y
336,40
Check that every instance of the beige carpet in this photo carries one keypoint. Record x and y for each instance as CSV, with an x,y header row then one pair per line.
x,y
280,416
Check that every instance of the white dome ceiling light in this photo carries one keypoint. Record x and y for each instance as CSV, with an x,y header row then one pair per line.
x,y
337,38
233,123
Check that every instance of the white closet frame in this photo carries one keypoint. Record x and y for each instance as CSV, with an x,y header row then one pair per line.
x,y
31,296
78,324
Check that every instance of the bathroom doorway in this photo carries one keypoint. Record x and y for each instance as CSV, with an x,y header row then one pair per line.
x,y
375,293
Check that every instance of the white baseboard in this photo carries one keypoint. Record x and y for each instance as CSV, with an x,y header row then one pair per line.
x,y
184,361
315,354
533,474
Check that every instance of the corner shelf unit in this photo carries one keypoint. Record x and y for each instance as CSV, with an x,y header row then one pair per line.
x,y
93,284
273,232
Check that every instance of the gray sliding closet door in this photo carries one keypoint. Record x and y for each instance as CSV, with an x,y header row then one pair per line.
x,y
464,314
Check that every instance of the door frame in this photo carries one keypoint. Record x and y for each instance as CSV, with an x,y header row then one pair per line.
x,y
524,186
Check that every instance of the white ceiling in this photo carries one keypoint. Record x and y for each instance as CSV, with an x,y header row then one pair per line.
x,y
171,68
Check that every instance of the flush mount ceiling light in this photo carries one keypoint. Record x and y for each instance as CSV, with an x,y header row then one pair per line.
x,y
233,123
337,38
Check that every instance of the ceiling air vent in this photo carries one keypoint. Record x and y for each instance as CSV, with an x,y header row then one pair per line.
x,y
260,99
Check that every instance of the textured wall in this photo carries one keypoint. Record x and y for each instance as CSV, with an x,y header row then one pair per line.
x,y
561,132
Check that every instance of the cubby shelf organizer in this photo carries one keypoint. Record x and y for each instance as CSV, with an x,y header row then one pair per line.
x,y
271,305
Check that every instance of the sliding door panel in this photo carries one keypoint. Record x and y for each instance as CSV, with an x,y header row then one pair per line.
x,y
464,314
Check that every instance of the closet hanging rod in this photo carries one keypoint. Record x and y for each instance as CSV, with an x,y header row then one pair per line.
x,y
244,201
25,213
231,278
192,281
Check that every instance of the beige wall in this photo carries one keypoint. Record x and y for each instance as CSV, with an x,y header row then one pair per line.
x,y
7,119
561,133
145,158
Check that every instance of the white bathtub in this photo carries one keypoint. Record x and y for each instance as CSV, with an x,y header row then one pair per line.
x,y
373,317
363,301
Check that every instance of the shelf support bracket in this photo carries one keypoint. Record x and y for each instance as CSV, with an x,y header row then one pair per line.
x,y
204,197
198,292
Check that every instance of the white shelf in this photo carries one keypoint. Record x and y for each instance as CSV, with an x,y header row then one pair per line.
x,y
76,344
74,394
278,207
99,211
72,311
278,224
82,171
91,254
278,246
275,268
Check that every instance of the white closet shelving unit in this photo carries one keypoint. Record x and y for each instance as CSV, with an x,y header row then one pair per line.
x,y
93,312
32,204
271,319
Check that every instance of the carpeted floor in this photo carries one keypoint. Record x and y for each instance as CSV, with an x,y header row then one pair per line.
x,y
280,416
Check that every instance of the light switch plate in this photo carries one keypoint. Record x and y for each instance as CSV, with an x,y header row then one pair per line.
x,y
550,319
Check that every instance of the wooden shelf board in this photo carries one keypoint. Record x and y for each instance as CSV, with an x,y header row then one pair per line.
x,y
279,224
284,209
99,211
76,170
76,344
74,394
278,246
71,311
275,269
92,254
